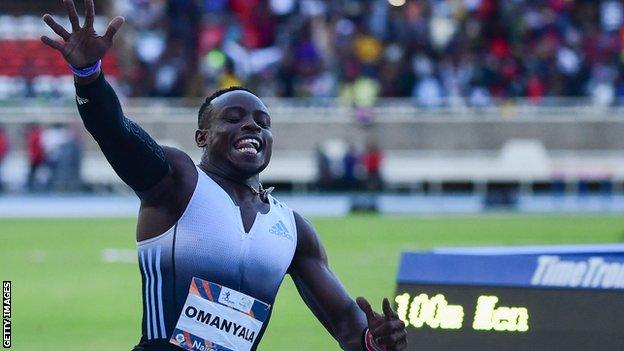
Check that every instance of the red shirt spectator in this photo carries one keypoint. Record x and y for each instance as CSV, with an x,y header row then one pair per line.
x,y
535,89
372,161
35,149
4,145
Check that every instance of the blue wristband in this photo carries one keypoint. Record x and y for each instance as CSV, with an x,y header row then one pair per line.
x,y
86,72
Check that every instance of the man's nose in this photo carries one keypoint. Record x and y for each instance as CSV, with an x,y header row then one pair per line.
x,y
250,124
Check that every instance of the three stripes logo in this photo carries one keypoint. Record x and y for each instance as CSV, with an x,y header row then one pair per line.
x,y
149,261
280,229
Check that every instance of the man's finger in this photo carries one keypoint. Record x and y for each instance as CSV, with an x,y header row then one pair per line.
x,y
57,28
89,13
72,14
387,310
366,307
113,27
52,43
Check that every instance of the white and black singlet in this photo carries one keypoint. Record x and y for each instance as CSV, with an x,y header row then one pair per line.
x,y
209,242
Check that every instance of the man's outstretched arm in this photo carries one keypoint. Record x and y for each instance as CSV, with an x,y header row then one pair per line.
x,y
345,319
138,160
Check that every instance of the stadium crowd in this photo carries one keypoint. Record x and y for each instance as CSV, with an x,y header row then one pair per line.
x,y
436,51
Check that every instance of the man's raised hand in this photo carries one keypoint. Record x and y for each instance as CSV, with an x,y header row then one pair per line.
x,y
83,46
387,330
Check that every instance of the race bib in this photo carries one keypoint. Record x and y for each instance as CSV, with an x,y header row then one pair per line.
x,y
216,318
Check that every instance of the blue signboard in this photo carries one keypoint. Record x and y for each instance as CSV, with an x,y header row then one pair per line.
x,y
523,298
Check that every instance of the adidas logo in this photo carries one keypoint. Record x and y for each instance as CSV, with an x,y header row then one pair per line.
x,y
280,229
81,101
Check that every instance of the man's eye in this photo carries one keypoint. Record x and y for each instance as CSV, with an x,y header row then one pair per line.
x,y
264,123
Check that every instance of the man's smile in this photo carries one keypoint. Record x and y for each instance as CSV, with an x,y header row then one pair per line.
x,y
251,145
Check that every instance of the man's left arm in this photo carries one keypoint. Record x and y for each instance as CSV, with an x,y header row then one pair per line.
x,y
353,324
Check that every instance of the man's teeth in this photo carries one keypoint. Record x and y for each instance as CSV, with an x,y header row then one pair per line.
x,y
253,142
248,150
248,146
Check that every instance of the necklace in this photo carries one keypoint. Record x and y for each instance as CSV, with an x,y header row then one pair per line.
x,y
261,191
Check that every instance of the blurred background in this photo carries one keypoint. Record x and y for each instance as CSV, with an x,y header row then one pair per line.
x,y
478,121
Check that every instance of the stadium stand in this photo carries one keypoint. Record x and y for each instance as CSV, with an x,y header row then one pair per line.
x,y
28,68
437,52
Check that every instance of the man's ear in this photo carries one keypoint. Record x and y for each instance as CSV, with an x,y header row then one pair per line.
x,y
201,137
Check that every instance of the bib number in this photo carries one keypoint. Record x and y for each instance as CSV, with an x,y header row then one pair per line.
x,y
216,318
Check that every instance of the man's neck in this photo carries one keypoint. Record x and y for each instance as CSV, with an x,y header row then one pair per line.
x,y
236,180
241,188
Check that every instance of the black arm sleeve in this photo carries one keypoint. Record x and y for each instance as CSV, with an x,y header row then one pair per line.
x,y
138,160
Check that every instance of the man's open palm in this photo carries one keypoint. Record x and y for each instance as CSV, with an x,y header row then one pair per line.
x,y
83,46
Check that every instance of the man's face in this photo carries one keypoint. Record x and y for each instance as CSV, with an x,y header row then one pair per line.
x,y
237,134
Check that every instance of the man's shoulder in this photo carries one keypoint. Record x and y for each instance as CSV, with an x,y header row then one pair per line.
x,y
183,171
303,225
177,157
178,184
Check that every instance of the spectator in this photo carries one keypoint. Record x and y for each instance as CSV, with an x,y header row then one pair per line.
x,y
36,157
53,140
324,169
361,93
350,162
69,162
371,160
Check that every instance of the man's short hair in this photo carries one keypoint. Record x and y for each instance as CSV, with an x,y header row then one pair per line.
x,y
215,95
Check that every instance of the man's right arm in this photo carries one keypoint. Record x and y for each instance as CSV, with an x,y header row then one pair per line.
x,y
135,156
138,160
